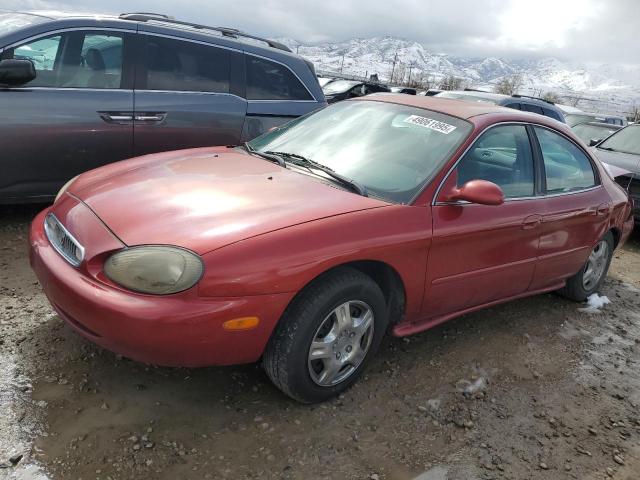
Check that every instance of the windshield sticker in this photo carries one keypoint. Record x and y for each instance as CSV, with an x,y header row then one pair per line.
x,y
430,124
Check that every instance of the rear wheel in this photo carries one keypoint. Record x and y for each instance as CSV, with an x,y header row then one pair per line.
x,y
591,276
326,336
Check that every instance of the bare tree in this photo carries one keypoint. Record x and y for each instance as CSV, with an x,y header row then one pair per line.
x,y
509,85
451,82
551,97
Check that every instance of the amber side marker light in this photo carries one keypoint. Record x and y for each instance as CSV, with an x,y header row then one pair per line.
x,y
245,323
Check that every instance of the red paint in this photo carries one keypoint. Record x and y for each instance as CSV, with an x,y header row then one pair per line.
x,y
264,233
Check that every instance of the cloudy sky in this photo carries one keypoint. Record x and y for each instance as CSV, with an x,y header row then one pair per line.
x,y
581,30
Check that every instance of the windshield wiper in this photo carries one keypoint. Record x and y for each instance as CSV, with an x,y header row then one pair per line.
x,y
301,161
272,157
608,149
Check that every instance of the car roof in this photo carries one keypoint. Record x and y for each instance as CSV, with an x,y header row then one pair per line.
x,y
499,97
600,124
62,19
464,109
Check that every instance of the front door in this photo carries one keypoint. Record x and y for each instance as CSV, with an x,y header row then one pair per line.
x,y
482,253
186,95
74,116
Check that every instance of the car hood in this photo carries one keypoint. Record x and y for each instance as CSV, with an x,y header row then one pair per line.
x,y
626,161
204,199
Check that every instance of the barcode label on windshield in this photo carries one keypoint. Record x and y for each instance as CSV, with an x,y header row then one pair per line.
x,y
430,123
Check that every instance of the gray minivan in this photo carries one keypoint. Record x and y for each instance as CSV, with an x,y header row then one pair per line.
x,y
78,92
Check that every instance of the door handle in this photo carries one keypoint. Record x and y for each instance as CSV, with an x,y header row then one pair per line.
x,y
150,117
602,209
116,117
532,221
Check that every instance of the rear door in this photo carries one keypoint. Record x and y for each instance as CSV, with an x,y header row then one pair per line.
x,y
74,116
188,94
575,211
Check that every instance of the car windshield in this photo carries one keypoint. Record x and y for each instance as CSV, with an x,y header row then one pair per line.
x,y
574,119
587,132
392,150
467,97
626,140
339,86
11,22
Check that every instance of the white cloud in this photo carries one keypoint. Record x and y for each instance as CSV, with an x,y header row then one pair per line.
x,y
585,30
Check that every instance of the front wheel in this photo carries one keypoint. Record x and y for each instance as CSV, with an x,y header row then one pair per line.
x,y
591,276
326,336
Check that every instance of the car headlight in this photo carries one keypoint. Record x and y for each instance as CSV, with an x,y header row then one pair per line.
x,y
155,269
64,188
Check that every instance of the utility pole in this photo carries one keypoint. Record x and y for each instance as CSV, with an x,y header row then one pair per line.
x,y
409,81
342,64
297,48
393,68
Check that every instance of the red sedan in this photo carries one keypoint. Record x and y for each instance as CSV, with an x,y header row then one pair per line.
x,y
302,248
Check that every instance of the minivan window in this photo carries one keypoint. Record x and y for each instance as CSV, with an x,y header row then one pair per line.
x,y
527,107
176,65
567,168
268,80
74,60
552,114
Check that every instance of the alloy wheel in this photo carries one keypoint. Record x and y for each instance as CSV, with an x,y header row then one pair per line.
x,y
596,265
341,343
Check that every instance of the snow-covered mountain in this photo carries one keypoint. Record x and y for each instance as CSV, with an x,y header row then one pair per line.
x,y
604,87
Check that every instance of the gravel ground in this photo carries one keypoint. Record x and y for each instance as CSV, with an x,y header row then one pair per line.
x,y
533,389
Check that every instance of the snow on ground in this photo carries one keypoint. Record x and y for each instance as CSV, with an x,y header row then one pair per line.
x,y
594,303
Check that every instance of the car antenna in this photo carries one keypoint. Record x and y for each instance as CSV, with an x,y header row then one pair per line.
x,y
633,175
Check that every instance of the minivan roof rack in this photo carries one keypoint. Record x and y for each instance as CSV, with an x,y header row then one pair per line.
x,y
517,95
227,32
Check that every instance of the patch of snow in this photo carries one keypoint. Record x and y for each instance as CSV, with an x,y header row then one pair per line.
x,y
594,303
469,389
17,424
436,473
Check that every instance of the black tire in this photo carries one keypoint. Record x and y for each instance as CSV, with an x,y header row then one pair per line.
x,y
286,356
575,289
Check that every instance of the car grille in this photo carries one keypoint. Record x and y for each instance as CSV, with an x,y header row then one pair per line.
x,y
63,241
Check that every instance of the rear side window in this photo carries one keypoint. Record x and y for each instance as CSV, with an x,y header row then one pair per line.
x,y
532,108
503,156
515,106
567,168
552,114
268,80
176,65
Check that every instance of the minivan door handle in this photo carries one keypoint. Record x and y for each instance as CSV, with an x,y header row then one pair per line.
x,y
116,117
155,117
532,221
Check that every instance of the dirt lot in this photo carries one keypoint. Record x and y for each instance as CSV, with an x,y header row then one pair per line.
x,y
555,394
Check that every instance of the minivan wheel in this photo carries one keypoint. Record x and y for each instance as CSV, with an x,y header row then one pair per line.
x,y
326,336
591,276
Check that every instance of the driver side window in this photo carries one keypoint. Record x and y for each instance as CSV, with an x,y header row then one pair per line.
x,y
74,60
502,155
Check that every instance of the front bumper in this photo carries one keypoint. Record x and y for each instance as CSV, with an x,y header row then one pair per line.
x,y
173,330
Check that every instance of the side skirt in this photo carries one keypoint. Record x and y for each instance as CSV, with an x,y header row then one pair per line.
x,y
409,328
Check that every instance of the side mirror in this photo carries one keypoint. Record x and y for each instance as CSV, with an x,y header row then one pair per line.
x,y
14,73
478,191
593,142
